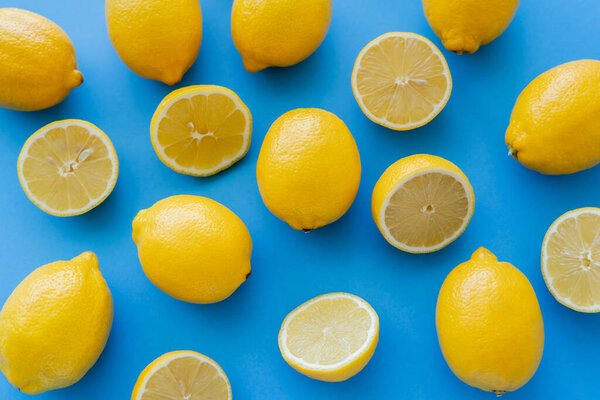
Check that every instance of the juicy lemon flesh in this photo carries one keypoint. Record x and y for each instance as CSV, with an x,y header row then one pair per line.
x,y
402,82
69,169
186,378
427,210
572,262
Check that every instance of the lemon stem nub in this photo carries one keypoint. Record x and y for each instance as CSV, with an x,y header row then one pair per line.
x,y
513,152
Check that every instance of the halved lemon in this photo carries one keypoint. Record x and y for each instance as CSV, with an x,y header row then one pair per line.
x,y
201,130
68,167
182,375
401,80
571,259
422,203
331,337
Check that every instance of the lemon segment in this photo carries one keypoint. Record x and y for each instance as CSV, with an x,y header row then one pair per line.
x,y
401,81
182,375
68,167
201,130
571,259
331,337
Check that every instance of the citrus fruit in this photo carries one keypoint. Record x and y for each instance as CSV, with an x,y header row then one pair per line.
x,y
68,167
571,259
464,25
489,324
38,68
278,33
422,203
182,375
55,324
205,245
331,337
401,81
156,39
554,127
308,169
201,130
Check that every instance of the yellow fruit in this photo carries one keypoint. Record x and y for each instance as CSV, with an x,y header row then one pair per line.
x,y
401,81
489,324
422,203
308,169
55,324
554,127
464,25
68,167
571,259
193,248
278,33
38,68
201,130
156,39
331,337
182,375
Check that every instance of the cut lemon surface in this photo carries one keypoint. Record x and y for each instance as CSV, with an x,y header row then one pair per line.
x,y
422,203
571,259
331,337
182,375
201,130
68,167
401,80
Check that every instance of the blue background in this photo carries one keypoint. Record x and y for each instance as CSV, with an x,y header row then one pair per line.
x,y
514,207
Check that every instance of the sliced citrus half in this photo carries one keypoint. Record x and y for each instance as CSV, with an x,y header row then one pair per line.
x,y
422,203
331,337
401,80
68,167
182,375
571,259
201,130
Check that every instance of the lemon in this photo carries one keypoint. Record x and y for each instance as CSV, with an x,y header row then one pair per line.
x,y
331,337
38,68
156,39
571,259
422,203
55,324
278,33
201,130
554,127
308,169
401,81
193,248
489,324
68,167
182,375
464,25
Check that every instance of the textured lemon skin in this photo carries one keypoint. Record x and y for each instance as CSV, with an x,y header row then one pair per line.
x,y
38,68
489,324
55,324
278,33
308,169
193,248
554,127
156,39
464,25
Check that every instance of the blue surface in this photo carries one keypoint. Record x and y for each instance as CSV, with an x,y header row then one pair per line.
x,y
514,208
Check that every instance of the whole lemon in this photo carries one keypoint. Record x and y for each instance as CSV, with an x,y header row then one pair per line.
x,y
308,169
555,123
193,248
38,68
278,33
489,324
156,39
55,324
464,25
